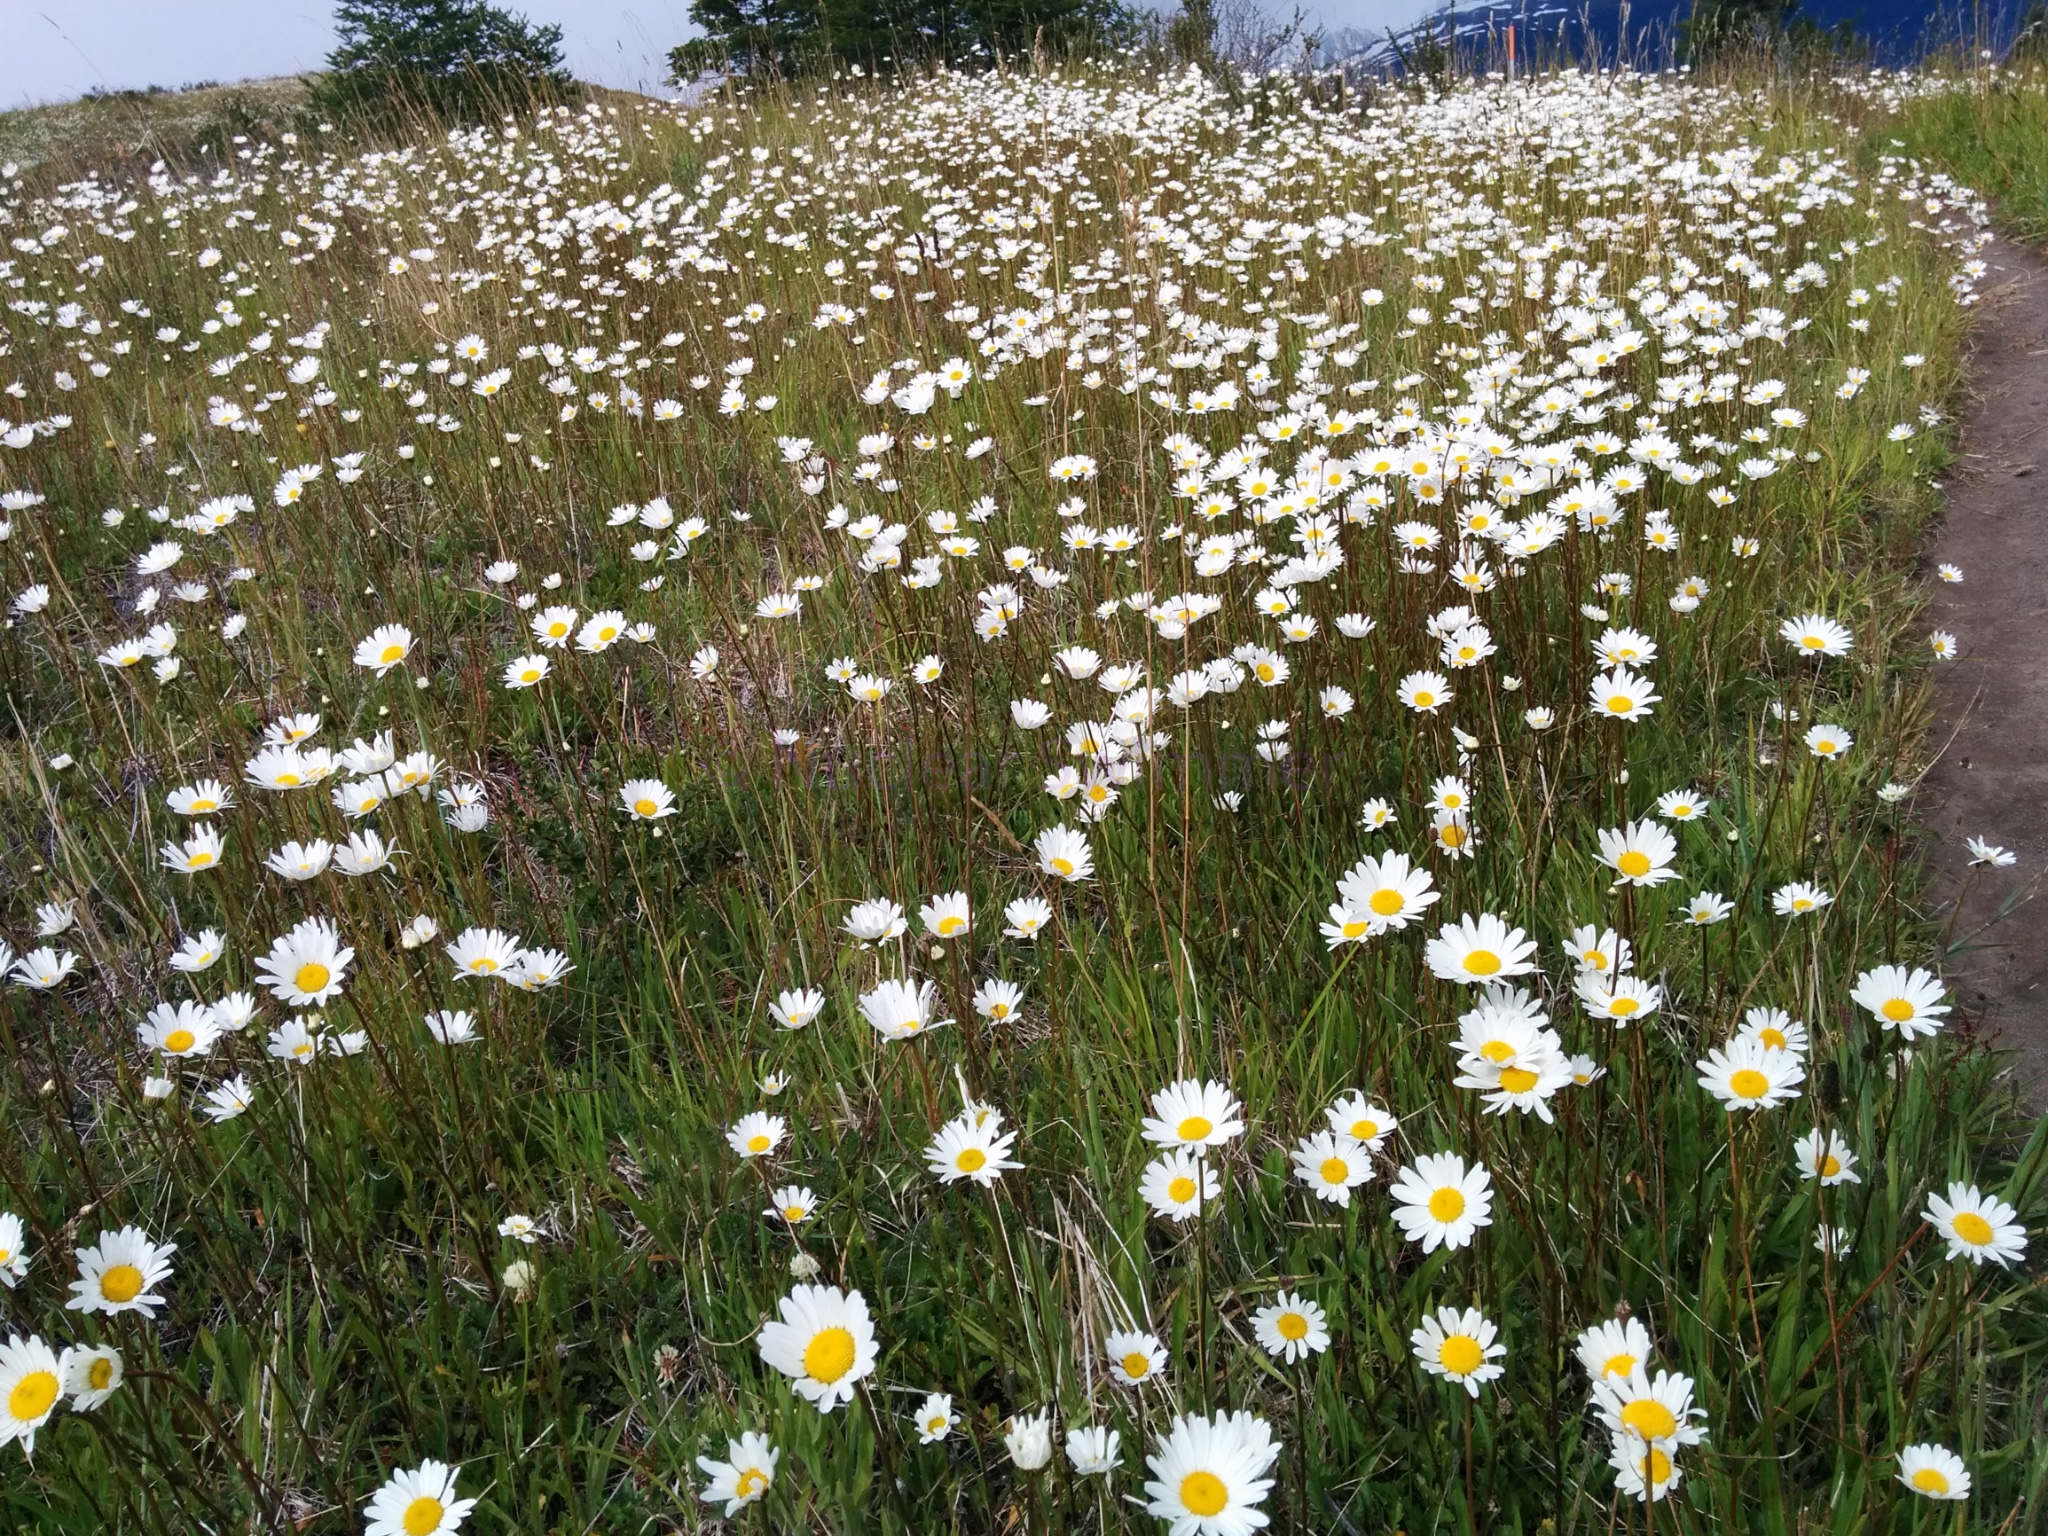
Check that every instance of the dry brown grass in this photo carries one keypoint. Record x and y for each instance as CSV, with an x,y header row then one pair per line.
x,y
151,124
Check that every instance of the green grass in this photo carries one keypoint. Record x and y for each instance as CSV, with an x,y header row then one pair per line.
x,y
340,1302
1993,135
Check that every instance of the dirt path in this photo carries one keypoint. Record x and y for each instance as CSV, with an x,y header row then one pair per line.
x,y
1992,705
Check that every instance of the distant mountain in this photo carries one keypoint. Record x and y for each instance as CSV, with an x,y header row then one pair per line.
x,y
1646,32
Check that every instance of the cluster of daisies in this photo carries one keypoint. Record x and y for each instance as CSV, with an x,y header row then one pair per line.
x,y
1506,1051
1415,428
118,1274
1208,1473
1213,1469
305,969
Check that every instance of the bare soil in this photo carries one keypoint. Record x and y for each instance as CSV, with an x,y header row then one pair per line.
x,y
1991,777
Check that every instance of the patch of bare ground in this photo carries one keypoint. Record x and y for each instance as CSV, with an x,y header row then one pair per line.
x,y
1991,777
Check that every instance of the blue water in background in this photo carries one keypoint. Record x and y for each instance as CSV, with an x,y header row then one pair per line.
x,y
1894,32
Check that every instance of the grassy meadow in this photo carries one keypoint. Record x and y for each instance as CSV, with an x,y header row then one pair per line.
x,y
1027,802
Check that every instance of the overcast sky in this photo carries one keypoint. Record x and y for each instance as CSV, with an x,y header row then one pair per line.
x,y
54,50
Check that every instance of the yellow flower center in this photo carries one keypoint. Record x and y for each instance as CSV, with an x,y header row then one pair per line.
x,y
1356,928
1972,1228
483,963
644,807
948,926
179,1041
751,1482
121,1283
1749,1084
33,1396
1774,1038
1812,642
392,653
1062,867
1181,1189
205,805
1482,962
1897,1009
793,1213
100,1374
1622,1007
1620,703
1497,1051
1424,698
1930,1480
757,1143
312,977
288,781
1447,1204
422,1516
1650,1419
1635,864
1137,1366
971,1160
1292,1325
200,859
1517,1079
1461,1354
1365,1129
1623,1366
1335,1170
1203,1494
829,1356
1830,1165
1659,1466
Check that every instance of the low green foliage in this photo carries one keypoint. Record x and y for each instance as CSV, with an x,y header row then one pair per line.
x,y
1993,135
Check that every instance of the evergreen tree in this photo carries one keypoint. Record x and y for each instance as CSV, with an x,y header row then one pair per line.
x,y
791,36
464,59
